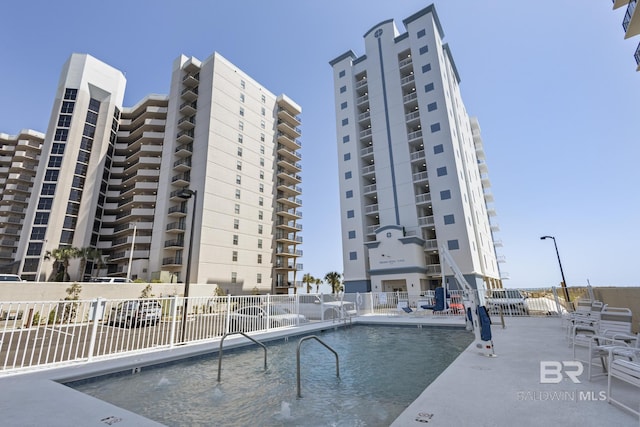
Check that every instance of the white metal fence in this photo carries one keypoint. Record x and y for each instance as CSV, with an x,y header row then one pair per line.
x,y
36,334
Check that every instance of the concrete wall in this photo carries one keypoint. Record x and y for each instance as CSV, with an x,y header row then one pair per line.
x,y
622,297
54,291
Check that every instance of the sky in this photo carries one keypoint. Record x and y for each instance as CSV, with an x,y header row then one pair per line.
x,y
553,84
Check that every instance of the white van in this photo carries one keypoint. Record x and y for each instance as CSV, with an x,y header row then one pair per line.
x,y
111,280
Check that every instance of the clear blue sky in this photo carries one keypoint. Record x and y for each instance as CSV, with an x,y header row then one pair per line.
x,y
553,84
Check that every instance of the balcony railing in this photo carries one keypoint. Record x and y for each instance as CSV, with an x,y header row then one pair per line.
x,y
629,14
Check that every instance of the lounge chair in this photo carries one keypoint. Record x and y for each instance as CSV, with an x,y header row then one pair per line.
x,y
624,364
588,318
612,330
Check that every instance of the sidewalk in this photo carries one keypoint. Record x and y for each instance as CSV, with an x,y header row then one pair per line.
x,y
506,390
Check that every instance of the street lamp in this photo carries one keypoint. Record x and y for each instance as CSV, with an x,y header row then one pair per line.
x,y
564,282
186,193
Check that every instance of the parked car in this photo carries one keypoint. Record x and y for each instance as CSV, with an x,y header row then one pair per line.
x,y
508,301
10,278
316,307
136,313
111,280
254,318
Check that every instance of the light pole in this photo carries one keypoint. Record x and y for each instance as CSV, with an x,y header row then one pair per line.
x,y
186,193
564,282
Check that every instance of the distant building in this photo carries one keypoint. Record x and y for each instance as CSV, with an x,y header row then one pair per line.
x,y
112,178
413,176
630,23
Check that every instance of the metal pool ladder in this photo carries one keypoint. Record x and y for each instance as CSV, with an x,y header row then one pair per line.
x,y
298,359
246,336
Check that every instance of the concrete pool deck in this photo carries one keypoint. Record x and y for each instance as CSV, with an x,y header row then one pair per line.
x,y
473,390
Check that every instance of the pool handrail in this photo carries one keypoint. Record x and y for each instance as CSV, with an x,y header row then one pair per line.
x,y
246,336
298,359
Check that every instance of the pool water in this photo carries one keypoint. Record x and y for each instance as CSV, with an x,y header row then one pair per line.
x,y
382,370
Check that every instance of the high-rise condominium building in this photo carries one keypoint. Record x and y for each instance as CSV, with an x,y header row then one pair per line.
x,y
214,166
413,177
630,23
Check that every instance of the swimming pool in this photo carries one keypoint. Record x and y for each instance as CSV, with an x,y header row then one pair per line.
x,y
382,370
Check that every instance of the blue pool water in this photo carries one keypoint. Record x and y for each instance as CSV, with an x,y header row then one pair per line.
x,y
382,370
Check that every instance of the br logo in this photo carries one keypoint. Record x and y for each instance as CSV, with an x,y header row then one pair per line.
x,y
551,371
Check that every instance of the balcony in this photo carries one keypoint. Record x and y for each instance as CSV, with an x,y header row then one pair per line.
x,y
173,244
369,189
285,127
417,155
289,142
286,176
191,80
371,229
414,115
365,135
289,226
289,214
181,180
364,116
631,21
189,108
420,177
288,238
412,136
287,154
185,136
426,221
177,211
362,99
289,190
405,62
184,150
368,170
371,208
407,80
287,117
182,165
361,83
431,245
176,227
291,202
189,94
187,123
366,151
286,165
637,57
423,198
410,97
172,262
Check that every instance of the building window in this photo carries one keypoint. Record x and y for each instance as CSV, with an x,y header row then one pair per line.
x,y
343,106
261,149
347,175
449,219
64,121
236,208
437,149
51,175
234,256
349,194
353,256
242,97
261,174
422,33
352,234
343,89
235,239
345,122
239,151
441,171
263,99
424,49
259,243
61,135
234,277
347,156
453,245
345,139
238,179
241,125
261,161
263,111
48,189
41,218
259,278
57,148
262,124
67,107
351,214
262,137
242,84
259,258
342,73
44,203
435,127
261,188
260,215
236,224
240,138
239,165
70,94
259,228
432,106
429,87
34,248
38,233
55,161
426,68
260,201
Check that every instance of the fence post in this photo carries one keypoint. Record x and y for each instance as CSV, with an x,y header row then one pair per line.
x,y
321,306
371,300
297,308
268,311
174,318
97,310
228,313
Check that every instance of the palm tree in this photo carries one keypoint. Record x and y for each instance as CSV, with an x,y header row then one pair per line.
x,y
86,254
318,282
308,279
99,261
61,256
334,279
